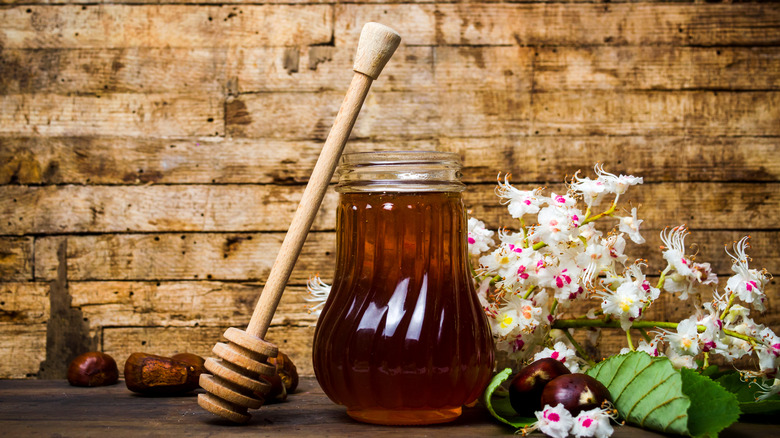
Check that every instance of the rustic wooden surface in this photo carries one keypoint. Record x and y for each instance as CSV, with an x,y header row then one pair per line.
x,y
54,408
152,155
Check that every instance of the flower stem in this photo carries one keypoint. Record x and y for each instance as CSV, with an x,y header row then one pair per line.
x,y
645,335
662,278
584,323
628,339
728,306
528,294
602,214
525,233
579,349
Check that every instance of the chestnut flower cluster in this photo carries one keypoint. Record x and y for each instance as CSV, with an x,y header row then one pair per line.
x,y
557,256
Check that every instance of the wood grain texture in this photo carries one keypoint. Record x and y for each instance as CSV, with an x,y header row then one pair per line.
x,y
132,115
252,208
568,24
23,303
184,256
68,209
120,26
111,70
16,258
414,68
182,304
23,351
453,114
120,160
481,113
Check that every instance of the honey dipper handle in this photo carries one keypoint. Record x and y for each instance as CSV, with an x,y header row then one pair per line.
x,y
377,44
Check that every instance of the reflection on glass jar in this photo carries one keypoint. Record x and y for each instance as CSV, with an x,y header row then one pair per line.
x,y
402,338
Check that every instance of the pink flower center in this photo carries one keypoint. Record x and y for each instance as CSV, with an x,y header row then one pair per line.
x,y
472,240
750,285
527,202
560,199
555,355
552,416
587,422
521,272
562,279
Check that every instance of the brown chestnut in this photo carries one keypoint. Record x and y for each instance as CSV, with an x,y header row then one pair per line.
x,y
159,375
525,391
192,359
93,369
287,370
577,392
284,381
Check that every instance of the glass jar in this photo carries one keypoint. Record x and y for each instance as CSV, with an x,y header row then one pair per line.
x,y
402,338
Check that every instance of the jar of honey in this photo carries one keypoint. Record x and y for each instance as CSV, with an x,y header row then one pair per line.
x,y
402,338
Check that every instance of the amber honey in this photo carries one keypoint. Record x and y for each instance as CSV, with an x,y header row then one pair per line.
x,y
402,338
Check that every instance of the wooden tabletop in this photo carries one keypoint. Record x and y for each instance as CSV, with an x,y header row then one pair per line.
x,y
54,408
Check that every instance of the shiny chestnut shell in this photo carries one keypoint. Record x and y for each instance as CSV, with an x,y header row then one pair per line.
x,y
93,369
193,359
525,391
151,374
577,392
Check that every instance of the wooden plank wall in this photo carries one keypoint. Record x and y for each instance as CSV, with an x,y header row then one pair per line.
x,y
152,155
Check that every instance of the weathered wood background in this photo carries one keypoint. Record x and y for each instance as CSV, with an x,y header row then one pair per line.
x,y
151,155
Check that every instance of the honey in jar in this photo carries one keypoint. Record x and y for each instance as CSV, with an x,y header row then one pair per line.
x,y
402,338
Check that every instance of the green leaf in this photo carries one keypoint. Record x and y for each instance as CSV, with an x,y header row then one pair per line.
x,y
733,383
746,395
710,371
770,406
647,391
496,399
713,408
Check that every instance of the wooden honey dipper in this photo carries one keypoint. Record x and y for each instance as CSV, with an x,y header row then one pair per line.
x,y
238,375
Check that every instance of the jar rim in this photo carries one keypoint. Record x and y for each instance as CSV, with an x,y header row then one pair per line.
x,y
399,157
400,171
